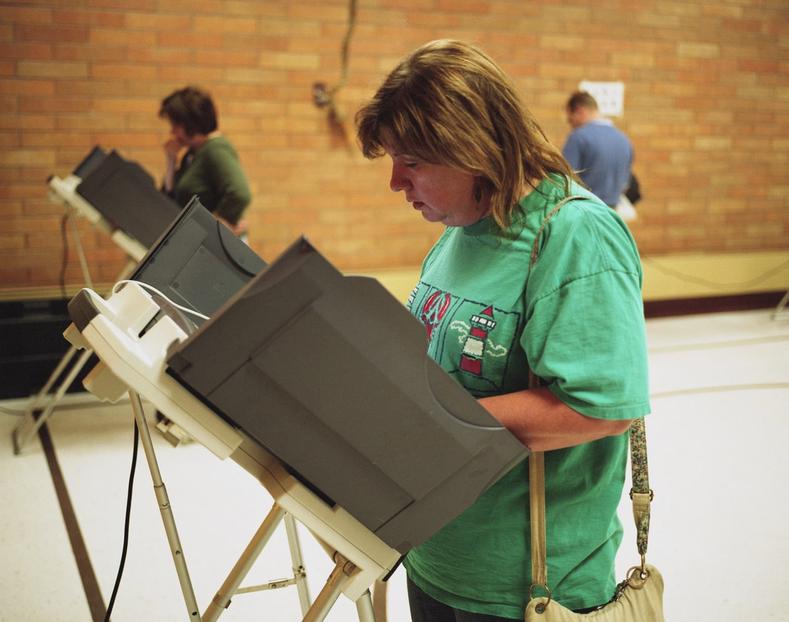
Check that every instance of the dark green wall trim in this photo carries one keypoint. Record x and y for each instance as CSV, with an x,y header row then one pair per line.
x,y
712,304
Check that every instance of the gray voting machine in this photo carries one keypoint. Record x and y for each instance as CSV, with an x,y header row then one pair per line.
x,y
330,374
126,196
198,262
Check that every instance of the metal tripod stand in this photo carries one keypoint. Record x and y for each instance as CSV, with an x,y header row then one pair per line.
x,y
316,611
44,403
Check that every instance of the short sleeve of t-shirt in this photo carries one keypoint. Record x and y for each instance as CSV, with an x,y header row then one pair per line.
x,y
584,334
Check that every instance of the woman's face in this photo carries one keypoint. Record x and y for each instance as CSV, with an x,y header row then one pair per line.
x,y
179,134
442,194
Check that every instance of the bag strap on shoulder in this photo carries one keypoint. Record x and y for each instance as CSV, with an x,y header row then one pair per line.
x,y
640,494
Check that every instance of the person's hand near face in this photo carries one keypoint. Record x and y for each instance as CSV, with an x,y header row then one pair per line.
x,y
172,147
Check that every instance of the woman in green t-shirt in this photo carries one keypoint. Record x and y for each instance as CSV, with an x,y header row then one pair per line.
x,y
208,165
468,154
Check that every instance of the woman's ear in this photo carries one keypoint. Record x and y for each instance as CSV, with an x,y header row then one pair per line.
x,y
477,189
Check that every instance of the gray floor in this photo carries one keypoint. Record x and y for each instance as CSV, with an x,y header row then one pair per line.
x,y
718,463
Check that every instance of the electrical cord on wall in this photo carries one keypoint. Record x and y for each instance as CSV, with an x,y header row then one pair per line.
x,y
126,524
322,96
712,284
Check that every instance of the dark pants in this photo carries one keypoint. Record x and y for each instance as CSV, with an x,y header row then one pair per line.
x,y
426,609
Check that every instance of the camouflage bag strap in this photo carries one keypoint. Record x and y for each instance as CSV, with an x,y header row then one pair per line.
x,y
640,494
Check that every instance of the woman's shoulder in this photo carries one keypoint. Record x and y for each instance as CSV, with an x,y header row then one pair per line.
x,y
587,234
218,145
578,208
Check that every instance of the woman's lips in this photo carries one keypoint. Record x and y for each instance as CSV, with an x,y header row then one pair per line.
x,y
418,205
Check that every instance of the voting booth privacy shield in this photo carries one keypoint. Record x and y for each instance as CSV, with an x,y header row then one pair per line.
x,y
330,374
198,262
126,196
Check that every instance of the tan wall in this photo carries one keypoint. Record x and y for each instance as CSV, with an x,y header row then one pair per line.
x,y
706,105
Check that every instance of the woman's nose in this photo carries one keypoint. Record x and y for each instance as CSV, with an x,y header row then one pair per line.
x,y
399,180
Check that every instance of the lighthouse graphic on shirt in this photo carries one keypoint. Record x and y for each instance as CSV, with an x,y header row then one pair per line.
x,y
471,339
474,348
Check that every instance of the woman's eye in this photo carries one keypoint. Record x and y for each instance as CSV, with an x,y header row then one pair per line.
x,y
410,164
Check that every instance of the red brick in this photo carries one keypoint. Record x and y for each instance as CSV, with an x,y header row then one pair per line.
x,y
227,58
159,21
51,69
74,15
27,15
123,71
135,5
225,24
27,51
97,53
113,37
54,34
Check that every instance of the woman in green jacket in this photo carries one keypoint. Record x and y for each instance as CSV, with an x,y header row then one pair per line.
x,y
208,165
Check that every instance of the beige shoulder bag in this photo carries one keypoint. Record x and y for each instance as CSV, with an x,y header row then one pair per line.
x,y
639,598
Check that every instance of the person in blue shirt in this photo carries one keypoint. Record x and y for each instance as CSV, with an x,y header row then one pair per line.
x,y
599,153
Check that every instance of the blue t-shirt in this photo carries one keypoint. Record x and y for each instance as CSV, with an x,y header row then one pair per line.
x,y
601,155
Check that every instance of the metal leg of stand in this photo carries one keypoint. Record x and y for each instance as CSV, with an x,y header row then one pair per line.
x,y
248,558
244,564
30,424
379,600
28,419
80,252
342,573
331,590
298,565
780,309
364,607
164,506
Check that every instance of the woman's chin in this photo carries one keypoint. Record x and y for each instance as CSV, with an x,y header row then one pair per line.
x,y
431,216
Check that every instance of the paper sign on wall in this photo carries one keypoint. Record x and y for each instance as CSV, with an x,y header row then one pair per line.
x,y
610,96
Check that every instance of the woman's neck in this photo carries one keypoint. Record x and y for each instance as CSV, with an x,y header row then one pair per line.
x,y
198,140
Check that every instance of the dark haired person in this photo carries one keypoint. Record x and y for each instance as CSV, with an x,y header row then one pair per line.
x,y
599,153
209,165
467,154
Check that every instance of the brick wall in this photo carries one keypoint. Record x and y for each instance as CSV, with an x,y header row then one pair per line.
x,y
706,105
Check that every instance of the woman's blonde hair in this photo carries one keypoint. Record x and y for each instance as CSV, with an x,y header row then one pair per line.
x,y
449,103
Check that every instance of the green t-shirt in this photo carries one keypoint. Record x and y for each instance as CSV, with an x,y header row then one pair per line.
x,y
578,319
214,173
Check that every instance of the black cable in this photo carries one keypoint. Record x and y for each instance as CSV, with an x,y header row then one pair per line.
x,y
126,523
64,261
